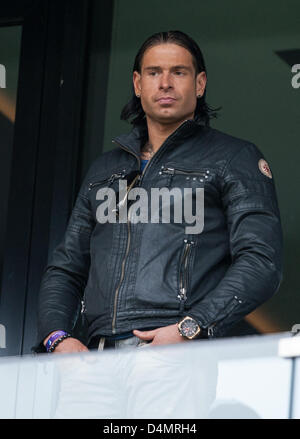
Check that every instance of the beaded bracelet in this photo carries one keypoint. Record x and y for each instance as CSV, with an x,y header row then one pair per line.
x,y
58,336
53,337
57,341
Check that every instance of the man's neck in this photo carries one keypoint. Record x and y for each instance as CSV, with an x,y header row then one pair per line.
x,y
158,133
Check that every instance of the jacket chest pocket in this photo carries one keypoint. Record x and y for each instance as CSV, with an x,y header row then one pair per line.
x,y
188,187
107,181
182,177
104,191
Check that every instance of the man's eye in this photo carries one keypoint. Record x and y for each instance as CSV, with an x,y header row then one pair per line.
x,y
152,73
179,73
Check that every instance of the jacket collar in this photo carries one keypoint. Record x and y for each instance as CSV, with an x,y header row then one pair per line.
x,y
133,141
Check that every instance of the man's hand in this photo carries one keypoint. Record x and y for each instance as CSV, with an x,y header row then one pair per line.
x,y
68,345
165,335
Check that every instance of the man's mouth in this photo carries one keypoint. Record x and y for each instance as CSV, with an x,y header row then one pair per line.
x,y
166,100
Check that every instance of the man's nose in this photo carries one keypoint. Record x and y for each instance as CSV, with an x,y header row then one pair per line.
x,y
165,81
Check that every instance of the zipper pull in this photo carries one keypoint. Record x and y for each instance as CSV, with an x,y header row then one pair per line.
x,y
165,170
138,181
182,295
210,330
113,177
83,308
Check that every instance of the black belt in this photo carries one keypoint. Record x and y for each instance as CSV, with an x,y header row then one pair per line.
x,y
110,341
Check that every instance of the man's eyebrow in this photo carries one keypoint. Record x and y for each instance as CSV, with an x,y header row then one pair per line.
x,y
152,68
179,67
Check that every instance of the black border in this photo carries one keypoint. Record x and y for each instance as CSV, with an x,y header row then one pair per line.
x,y
24,159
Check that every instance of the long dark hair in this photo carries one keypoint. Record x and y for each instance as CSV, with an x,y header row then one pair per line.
x,y
133,111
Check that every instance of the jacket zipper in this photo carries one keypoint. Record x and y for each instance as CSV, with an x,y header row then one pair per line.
x,y
128,228
183,274
122,272
231,305
128,244
127,249
172,171
121,279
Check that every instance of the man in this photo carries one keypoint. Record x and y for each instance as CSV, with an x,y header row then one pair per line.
x,y
159,282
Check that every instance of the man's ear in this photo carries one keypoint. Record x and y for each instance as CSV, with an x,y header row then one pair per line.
x,y
201,83
137,83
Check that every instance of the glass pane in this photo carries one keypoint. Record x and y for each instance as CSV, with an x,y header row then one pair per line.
x,y
10,44
220,379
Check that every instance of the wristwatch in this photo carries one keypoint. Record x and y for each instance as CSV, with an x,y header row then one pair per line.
x,y
189,328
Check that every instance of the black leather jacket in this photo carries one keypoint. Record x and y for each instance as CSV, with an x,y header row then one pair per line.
x,y
132,276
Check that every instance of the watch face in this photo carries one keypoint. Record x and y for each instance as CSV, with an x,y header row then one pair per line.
x,y
189,328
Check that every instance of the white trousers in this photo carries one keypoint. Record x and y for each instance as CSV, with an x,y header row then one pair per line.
x,y
155,382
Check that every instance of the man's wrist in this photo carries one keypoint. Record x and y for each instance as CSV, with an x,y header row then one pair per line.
x,y
54,339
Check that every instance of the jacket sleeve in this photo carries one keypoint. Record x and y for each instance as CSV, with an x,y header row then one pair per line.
x,y
66,274
255,240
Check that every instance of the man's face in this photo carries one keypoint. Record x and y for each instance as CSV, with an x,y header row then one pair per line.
x,y
168,84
